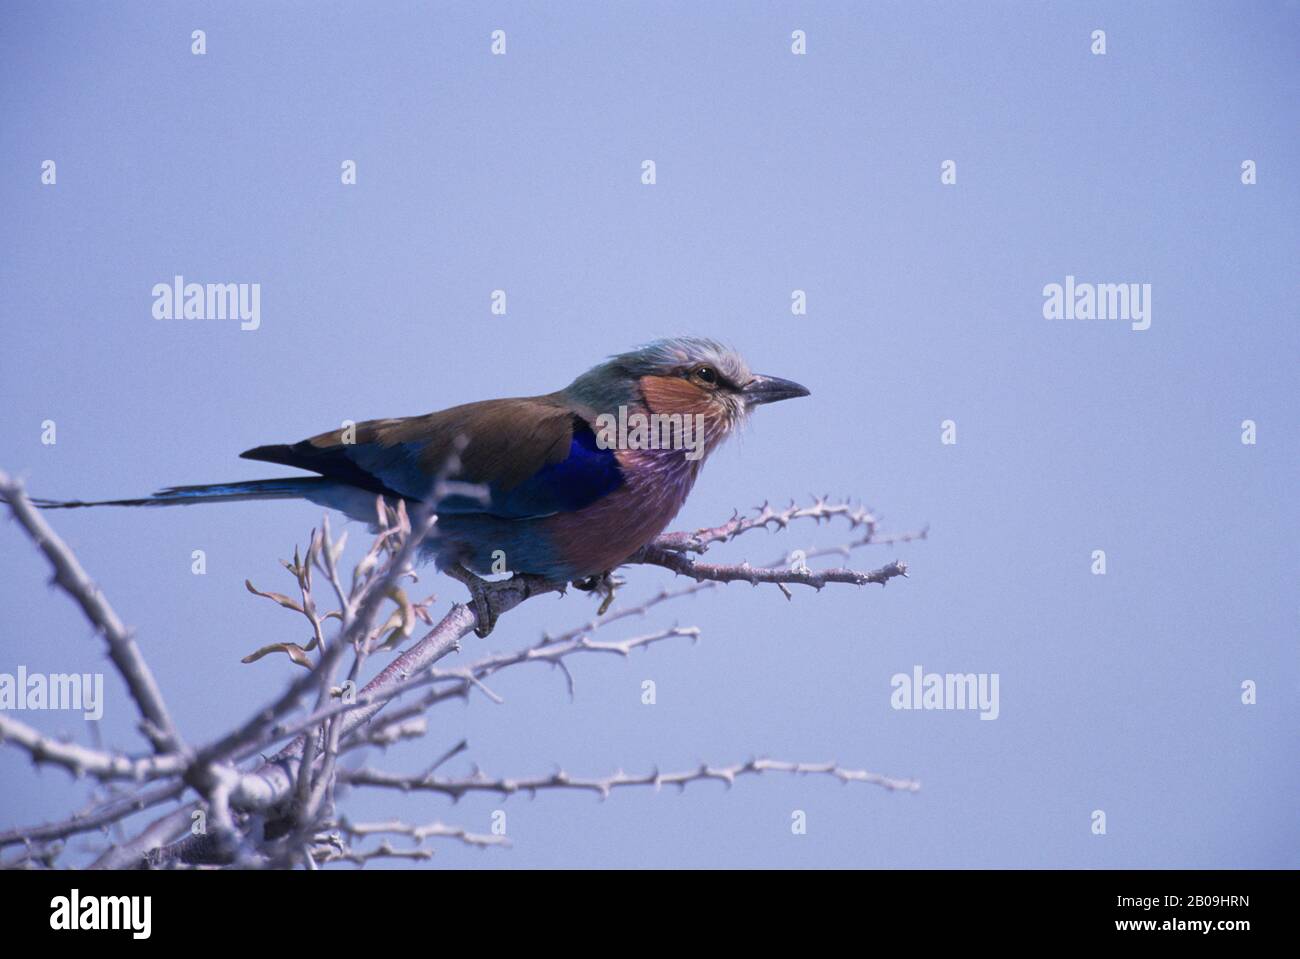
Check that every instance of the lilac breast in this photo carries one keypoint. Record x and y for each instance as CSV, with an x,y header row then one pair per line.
x,y
604,534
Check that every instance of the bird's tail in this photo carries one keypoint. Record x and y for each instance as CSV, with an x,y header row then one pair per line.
x,y
293,487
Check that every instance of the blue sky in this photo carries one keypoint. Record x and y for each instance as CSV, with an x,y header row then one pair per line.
x,y
775,172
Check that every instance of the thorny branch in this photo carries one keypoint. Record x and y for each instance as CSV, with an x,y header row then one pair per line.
x,y
156,723
456,788
294,789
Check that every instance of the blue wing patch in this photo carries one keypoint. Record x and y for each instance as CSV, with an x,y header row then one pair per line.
x,y
586,475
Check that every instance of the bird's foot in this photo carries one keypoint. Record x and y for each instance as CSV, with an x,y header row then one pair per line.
x,y
605,584
483,593
480,594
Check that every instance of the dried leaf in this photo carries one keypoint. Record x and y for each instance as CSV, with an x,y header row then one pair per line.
x,y
422,611
292,650
311,559
364,567
280,598
402,620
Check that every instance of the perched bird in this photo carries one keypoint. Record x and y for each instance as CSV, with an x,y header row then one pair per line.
x,y
574,482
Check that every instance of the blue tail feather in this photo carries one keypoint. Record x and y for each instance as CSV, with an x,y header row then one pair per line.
x,y
293,487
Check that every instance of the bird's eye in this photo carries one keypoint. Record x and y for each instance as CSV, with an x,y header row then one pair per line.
x,y
707,374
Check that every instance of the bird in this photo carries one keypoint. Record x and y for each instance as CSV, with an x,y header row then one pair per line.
x,y
567,486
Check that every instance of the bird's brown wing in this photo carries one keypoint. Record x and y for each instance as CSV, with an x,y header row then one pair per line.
x,y
506,442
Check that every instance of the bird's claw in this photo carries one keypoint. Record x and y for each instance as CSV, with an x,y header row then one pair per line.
x,y
604,584
485,613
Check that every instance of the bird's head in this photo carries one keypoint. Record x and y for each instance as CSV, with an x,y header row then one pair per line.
x,y
683,376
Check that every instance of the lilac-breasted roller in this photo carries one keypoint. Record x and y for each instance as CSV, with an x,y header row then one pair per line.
x,y
574,481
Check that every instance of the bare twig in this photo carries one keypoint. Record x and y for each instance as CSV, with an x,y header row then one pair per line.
x,y
84,761
436,830
105,814
122,649
603,786
681,564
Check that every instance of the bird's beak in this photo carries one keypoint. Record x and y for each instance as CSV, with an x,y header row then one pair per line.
x,y
770,389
